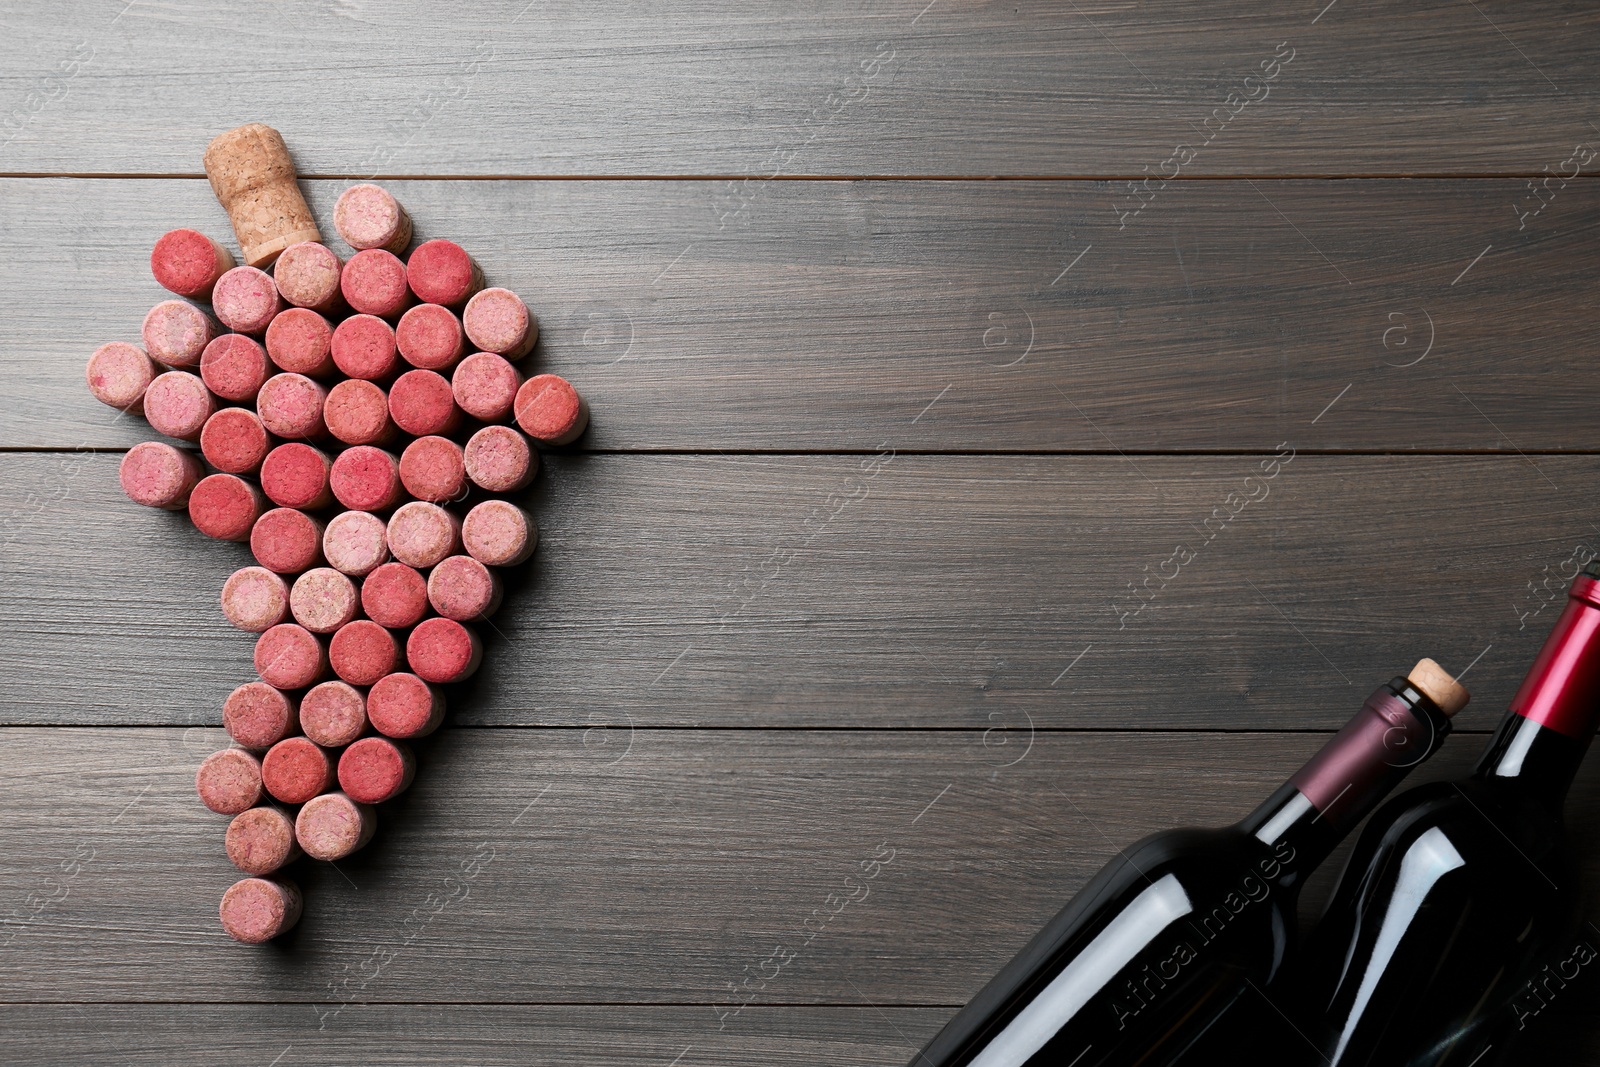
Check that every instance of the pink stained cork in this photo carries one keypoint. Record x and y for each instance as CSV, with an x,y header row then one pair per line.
x,y
403,705
395,596
176,333
225,506
188,263
256,910
158,475
421,404
463,589
363,651
234,441
496,320
322,600
333,714
290,657
118,374
295,769
485,386
499,533
442,650
254,599
355,542
498,459
368,216
290,405
234,367
295,475
363,347
550,411
430,337
332,826
441,272
366,479
301,341
286,541
246,300
261,840
374,283
178,404
376,769
258,716
422,534
357,413
253,176
229,781
307,276
434,469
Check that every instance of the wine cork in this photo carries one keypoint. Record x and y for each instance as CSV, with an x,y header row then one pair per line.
x,y
394,596
286,541
374,283
289,656
254,599
176,333
498,459
357,413
499,533
159,476
1439,686
368,216
496,320
258,716
261,840
366,479
295,769
300,340
550,411
363,651
434,469
229,781
246,299
256,910
463,589
355,543
403,705
188,263
332,826
421,403
307,276
363,347
295,475
430,337
254,179
118,374
422,534
234,367
178,404
376,769
290,405
225,506
333,714
442,650
234,441
441,272
322,600
485,386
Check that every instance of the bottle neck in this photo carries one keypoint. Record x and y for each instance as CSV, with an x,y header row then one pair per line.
x,y
1537,760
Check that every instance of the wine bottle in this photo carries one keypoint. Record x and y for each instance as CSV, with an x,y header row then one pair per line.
x,y
1179,924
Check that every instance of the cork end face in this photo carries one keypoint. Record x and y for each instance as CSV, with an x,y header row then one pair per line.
x,y
1440,687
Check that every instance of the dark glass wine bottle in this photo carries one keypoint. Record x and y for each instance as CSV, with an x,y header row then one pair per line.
x,y
1168,933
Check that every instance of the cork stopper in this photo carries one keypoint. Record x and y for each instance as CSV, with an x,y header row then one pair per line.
x,y
254,179
1439,686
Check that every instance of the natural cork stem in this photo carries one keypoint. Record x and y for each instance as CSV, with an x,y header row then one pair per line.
x,y
1439,686
254,179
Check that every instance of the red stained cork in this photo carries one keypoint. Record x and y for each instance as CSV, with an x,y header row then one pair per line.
x,y
229,781
188,263
366,479
463,589
176,333
333,714
434,469
441,272
255,910
254,599
363,651
422,534
394,595
322,600
497,320
307,276
234,367
363,347
290,657
429,337
421,404
178,404
550,411
159,476
368,216
498,459
499,533
403,705
442,651
246,300
376,769
300,340
357,413
294,770
225,506
291,406
258,716
118,374
355,542
261,840
254,178
485,386
374,283
295,475
334,825
234,441
286,541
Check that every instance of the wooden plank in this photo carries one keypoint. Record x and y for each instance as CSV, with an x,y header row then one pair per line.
x,y
1229,315
827,87
763,591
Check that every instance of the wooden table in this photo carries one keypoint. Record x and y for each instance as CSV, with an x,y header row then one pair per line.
x,y
1016,429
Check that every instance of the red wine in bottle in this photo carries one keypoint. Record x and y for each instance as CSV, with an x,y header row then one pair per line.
x,y
1159,943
